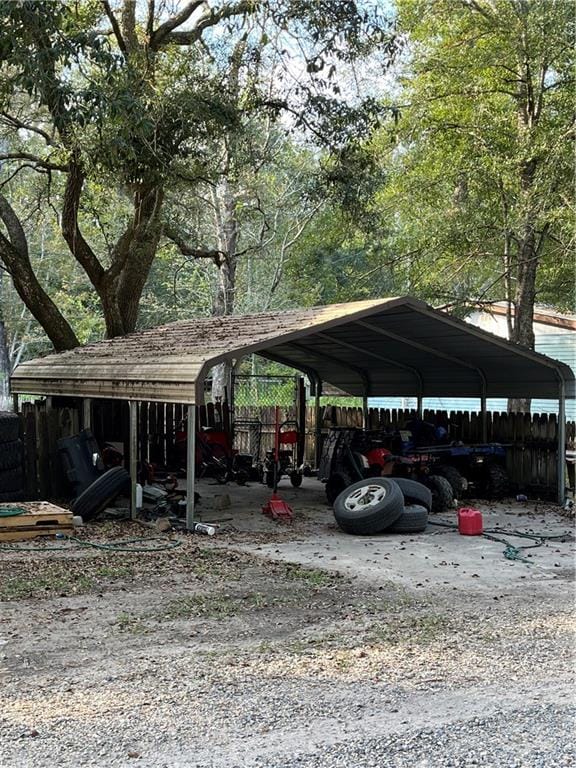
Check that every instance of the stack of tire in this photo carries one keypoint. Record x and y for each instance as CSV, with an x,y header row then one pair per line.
x,y
382,505
11,457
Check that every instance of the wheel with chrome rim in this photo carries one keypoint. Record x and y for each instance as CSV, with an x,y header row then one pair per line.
x,y
369,506
363,498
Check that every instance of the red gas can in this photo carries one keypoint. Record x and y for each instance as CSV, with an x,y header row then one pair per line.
x,y
469,522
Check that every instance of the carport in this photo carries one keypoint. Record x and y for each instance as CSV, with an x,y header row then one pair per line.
x,y
395,346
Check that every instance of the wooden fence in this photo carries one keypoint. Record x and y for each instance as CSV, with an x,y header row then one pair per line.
x,y
531,440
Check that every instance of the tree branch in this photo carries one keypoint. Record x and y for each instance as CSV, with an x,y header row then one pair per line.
x,y
14,254
15,122
210,19
115,26
175,21
78,246
34,159
194,253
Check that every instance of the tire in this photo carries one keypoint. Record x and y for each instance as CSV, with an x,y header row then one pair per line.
x,y
12,496
9,427
296,478
369,506
442,493
453,476
11,480
414,493
241,477
335,484
414,519
98,495
10,455
496,482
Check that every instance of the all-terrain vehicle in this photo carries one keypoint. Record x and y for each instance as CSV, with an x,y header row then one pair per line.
x,y
351,454
472,469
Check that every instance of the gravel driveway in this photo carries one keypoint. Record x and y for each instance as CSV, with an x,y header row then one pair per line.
x,y
209,655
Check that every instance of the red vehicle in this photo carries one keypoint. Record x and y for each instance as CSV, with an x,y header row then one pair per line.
x,y
214,455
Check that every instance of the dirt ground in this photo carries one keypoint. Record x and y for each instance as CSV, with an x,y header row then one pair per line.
x,y
274,645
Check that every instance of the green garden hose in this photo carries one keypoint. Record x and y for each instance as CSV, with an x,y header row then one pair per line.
x,y
512,552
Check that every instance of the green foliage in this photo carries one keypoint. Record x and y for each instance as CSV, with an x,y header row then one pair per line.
x,y
468,169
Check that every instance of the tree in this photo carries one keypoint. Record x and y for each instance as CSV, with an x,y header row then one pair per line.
x,y
112,103
480,166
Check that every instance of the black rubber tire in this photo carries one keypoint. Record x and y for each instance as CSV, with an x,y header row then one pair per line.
x,y
11,480
98,495
296,478
10,455
9,427
335,484
414,493
241,477
12,496
414,519
453,476
368,520
442,493
496,482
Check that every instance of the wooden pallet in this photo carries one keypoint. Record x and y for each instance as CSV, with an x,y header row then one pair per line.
x,y
19,534
40,518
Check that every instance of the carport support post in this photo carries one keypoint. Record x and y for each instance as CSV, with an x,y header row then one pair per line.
x,y
561,443
190,466
133,409
318,447
87,413
484,417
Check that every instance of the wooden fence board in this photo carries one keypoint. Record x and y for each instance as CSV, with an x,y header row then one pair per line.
x,y
531,440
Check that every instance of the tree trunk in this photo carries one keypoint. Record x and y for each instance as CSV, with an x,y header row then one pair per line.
x,y
224,299
4,370
14,254
527,268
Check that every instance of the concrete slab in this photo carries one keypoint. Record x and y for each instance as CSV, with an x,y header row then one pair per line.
x,y
438,559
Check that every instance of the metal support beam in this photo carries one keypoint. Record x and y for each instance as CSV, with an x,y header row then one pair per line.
x,y
190,467
133,411
484,415
561,443
318,447
87,413
376,356
419,407
430,350
360,372
365,413
15,403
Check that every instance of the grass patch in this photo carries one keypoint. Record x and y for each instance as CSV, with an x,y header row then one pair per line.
x,y
314,577
23,587
211,606
415,629
129,622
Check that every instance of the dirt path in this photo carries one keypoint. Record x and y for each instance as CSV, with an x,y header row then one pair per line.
x,y
204,656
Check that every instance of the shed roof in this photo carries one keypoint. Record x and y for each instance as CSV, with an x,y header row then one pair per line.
x,y
394,346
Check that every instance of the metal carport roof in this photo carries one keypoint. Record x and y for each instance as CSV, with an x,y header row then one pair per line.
x,y
395,346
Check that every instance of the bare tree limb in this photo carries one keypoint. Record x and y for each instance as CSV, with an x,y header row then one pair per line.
x,y
115,26
34,159
210,19
172,23
214,254
71,232
15,122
